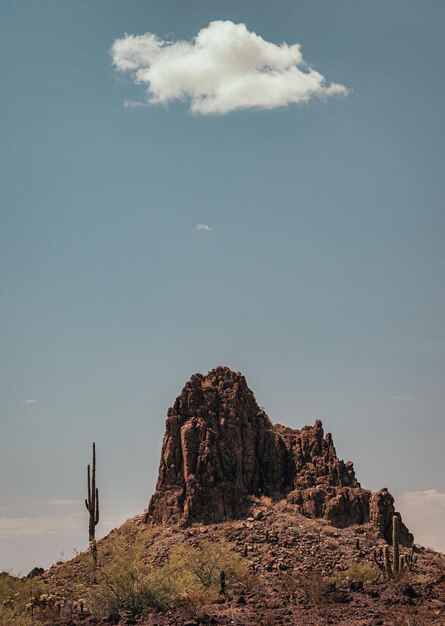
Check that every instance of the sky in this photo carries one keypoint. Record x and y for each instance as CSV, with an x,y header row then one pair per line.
x,y
192,184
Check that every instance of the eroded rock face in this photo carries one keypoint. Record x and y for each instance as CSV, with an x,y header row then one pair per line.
x,y
220,448
322,484
381,513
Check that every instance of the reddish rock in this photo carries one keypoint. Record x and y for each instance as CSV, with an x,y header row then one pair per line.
x,y
381,513
313,458
323,485
220,448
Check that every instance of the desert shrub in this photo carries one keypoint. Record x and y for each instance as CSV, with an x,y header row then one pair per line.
x,y
207,560
127,581
358,572
132,580
313,584
192,574
16,595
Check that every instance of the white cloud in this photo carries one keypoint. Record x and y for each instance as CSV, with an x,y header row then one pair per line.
x,y
225,67
424,514
204,227
404,398
31,401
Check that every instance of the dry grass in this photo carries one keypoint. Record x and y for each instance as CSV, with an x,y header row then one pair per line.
x,y
313,584
358,572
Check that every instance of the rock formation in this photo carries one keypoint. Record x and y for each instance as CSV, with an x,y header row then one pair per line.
x,y
220,448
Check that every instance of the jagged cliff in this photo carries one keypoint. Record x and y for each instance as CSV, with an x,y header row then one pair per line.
x,y
220,448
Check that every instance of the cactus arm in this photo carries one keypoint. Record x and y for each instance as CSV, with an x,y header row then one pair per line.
x,y
89,485
402,564
395,545
96,514
388,567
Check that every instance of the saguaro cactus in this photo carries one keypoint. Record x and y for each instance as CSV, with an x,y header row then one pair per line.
x,y
92,505
396,569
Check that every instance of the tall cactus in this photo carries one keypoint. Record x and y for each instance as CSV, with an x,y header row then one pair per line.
x,y
397,567
92,506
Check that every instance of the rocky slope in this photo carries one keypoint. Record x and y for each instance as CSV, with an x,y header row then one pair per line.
x,y
220,448
301,572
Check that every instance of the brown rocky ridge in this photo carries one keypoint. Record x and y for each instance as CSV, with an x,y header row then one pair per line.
x,y
220,448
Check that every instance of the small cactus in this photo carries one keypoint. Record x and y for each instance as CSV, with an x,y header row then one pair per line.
x,y
222,578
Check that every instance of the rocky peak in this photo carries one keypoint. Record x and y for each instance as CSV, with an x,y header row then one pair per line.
x,y
313,458
220,448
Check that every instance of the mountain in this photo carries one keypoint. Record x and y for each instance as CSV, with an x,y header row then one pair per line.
x,y
220,448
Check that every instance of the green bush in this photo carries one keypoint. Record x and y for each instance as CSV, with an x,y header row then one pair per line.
x,y
133,581
192,574
359,572
206,562
127,580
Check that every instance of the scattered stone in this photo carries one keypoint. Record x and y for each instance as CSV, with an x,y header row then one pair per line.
x,y
409,591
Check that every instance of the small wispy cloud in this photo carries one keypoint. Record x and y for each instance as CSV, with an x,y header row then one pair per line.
x,y
224,68
30,401
133,104
205,227
403,398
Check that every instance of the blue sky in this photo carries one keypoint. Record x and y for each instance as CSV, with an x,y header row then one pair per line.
x,y
320,277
